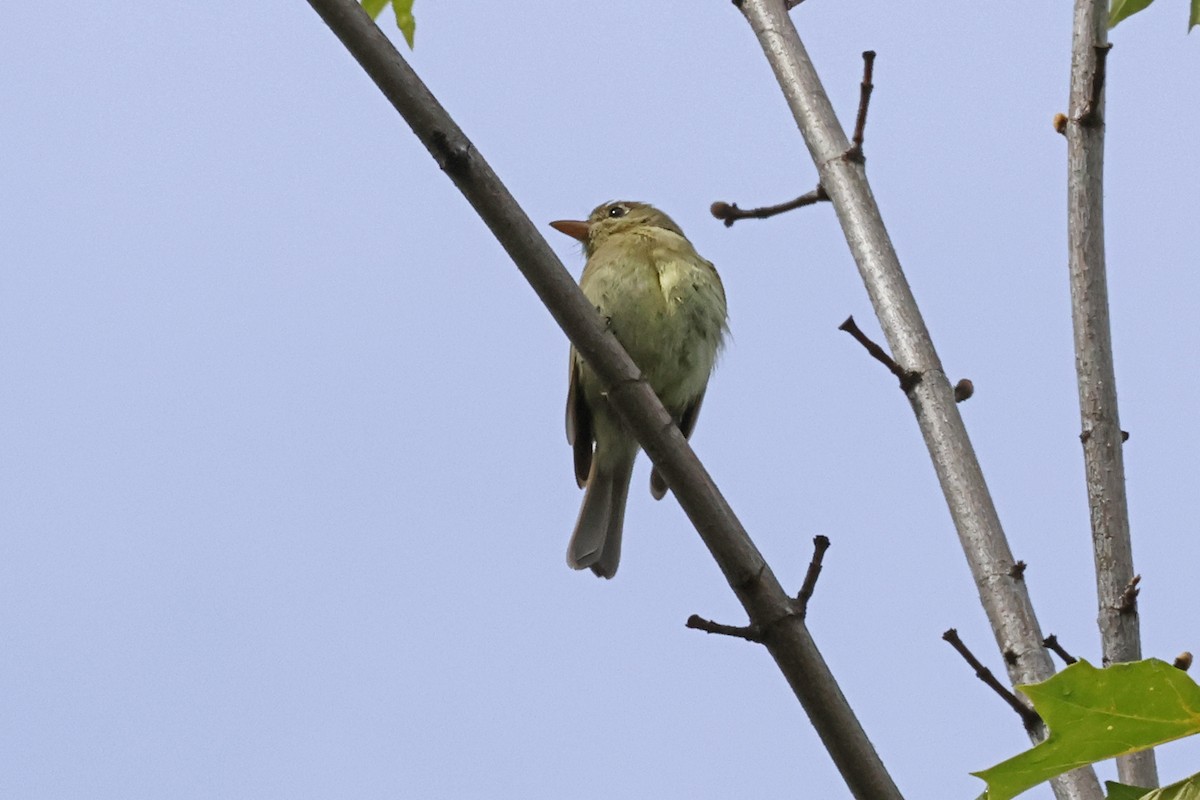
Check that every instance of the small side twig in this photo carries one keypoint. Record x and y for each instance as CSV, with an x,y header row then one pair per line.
x,y
855,153
908,379
1051,644
750,633
1029,718
820,545
1129,596
729,213
1091,112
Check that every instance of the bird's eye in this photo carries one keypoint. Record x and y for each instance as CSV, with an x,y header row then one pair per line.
x,y
617,211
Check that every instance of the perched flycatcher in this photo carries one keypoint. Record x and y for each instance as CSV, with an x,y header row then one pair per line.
x,y
666,306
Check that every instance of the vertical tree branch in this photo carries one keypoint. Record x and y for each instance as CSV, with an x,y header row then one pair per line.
x,y
1104,465
1004,597
769,608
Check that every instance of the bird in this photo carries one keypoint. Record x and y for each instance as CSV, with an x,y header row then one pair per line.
x,y
666,305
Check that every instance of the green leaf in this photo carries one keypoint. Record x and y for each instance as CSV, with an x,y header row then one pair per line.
x,y
404,20
1194,19
1187,789
1121,9
373,7
404,16
1122,791
1096,714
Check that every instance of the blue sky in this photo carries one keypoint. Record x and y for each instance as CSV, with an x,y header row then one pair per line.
x,y
284,490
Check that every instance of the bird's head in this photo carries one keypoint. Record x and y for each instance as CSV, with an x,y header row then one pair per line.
x,y
613,219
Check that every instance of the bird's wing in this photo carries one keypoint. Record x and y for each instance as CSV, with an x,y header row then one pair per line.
x,y
687,420
687,424
579,423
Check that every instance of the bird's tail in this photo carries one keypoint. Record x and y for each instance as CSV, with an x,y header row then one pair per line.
x,y
596,542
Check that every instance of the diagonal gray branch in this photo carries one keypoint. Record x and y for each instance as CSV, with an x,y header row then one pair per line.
x,y
1004,595
1104,465
769,608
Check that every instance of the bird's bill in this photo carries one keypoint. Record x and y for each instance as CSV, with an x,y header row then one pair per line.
x,y
573,228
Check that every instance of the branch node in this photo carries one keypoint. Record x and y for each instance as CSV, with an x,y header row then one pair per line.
x,y
820,545
453,157
1090,118
751,633
1086,435
1029,718
1017,572
1051,644
750,578
1128,602
908,378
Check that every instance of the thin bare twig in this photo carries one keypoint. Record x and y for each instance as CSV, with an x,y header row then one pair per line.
x,y
750,633
1029,718
729,213
820,545
908,379
1051,643
855,153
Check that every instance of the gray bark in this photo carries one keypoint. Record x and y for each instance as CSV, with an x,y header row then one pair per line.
x,y
1104,465
1005,597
